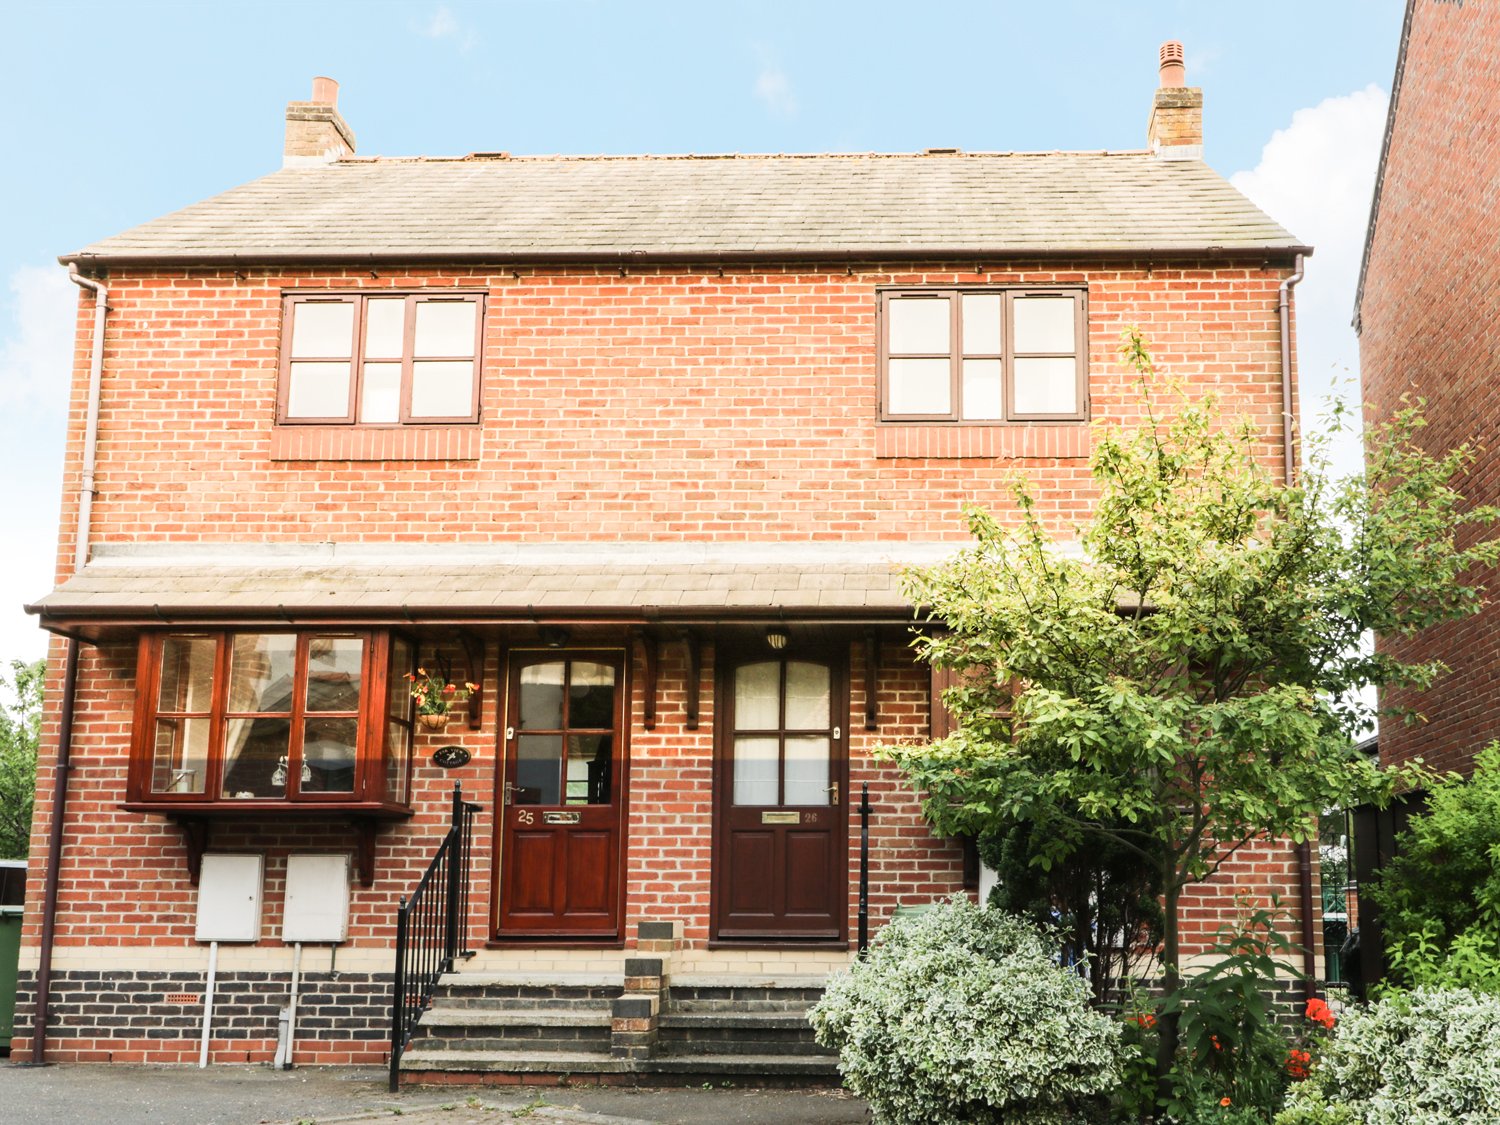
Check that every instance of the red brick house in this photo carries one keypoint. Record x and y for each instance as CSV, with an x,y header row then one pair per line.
x,y
1427,316
635,444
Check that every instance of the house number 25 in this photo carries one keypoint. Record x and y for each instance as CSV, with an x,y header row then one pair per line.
x,y
526,816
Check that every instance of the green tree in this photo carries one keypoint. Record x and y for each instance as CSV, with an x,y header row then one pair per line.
x,y
1188,681
1440,896
20,727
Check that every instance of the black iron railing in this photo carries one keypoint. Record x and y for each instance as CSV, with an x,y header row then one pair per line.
x,y
432,929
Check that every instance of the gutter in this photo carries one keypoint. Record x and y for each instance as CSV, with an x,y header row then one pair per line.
x,y
1289,466
70,679
252,259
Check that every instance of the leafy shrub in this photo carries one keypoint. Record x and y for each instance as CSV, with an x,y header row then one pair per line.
x,y
1104,899
1440,896
1233,1054
1430,1057
962,1015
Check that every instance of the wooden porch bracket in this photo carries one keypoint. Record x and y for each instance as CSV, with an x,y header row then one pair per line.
x,y
651,656
364,830
474,650
694,674
195,836
872,678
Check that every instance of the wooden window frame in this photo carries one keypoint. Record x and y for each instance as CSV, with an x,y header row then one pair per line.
x,y
368,795
956,355
356,358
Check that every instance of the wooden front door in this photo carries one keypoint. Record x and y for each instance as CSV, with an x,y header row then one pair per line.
x,y
562,796
781,834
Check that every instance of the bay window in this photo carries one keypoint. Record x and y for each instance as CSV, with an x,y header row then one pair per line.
x,y
243,718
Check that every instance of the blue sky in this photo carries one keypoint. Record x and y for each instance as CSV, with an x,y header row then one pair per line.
x,y
119,112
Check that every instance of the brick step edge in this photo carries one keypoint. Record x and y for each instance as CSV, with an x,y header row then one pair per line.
x,y
564,1063
756,1020
442,1016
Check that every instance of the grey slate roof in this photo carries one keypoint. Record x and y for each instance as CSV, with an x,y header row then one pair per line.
x,y
593,208
172,583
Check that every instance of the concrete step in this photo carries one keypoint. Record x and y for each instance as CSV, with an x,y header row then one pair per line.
x,y
443,1016
565,1065
730,995
513,1062
738,1033
514,1029
512,995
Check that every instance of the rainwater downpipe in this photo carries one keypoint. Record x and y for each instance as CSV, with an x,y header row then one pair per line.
x,y
1289,466
70,679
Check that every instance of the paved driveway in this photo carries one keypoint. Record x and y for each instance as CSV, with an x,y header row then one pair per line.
x,y
254,1095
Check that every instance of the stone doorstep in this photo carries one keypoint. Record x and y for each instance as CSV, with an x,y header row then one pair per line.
x,y
757,1021
575,1062
531,980
688,980
440,1016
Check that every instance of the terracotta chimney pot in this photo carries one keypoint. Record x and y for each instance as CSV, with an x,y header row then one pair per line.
x,y
1173,73
326,90
1175,131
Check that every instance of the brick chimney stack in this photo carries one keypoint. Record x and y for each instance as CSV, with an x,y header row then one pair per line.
x,y
315,133
1176,129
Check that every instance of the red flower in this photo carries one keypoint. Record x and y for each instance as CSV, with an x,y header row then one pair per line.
x,y
1225,1101
449,690
1145,1019
1298,1063
1319,1012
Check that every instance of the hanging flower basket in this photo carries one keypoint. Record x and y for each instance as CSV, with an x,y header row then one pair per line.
x,y
435,695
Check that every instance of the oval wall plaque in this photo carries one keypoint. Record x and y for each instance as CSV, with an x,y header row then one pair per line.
x,y
450,757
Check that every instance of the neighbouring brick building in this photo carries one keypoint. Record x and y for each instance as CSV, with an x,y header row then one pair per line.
x,y
636,444
1427,313
1428,317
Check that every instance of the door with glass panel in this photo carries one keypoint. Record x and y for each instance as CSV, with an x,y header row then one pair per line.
x,y
562,796
780,849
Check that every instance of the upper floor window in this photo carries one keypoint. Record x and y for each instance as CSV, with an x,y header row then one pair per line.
x,y
248,717
380,359
982,355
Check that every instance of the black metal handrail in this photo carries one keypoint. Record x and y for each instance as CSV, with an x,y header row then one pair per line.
x,y
432,929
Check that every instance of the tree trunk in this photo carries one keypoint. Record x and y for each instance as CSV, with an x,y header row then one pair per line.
x,y
1166,1047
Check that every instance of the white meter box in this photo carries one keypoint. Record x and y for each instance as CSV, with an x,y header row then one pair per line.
x,y
317,899
229,894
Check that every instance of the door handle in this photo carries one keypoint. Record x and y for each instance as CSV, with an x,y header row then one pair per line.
x,y
509,789
833,793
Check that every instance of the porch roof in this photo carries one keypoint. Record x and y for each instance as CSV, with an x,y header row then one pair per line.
x,y
308,584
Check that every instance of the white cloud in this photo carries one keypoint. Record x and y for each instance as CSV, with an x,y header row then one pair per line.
x,y
774,89
443,24
36,348
1315,177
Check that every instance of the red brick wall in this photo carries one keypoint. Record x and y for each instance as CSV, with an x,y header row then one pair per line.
x,y
1428,321
673,405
